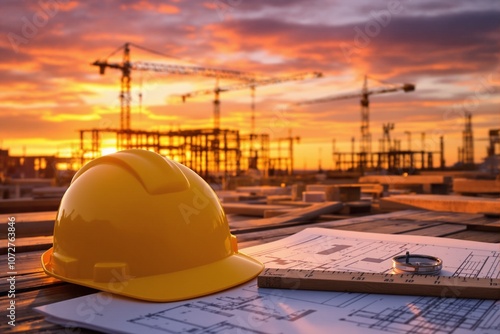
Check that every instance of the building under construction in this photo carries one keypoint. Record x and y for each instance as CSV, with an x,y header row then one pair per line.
x,y
218,153
394,160
212,153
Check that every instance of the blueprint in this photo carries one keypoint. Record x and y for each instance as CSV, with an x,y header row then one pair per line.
x,y
249,309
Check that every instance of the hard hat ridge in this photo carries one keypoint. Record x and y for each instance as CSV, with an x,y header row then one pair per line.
x,y
156,173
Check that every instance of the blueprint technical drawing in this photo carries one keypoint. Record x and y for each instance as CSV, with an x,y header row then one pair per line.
x,y
249,309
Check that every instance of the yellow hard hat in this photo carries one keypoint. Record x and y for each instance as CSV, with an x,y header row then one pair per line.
x,y
137,224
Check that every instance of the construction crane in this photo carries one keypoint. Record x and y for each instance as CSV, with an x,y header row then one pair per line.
x,y
365,145
126,67
252,84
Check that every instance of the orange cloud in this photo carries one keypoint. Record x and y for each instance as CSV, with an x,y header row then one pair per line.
x,y
144,5
50,90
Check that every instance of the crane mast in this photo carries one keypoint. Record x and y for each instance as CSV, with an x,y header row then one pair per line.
x,y
125,95
366,138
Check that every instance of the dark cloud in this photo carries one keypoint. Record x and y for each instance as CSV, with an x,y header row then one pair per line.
x,y
445,31
465,42
435,46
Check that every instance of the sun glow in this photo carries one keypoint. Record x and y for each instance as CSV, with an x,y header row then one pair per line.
x,y
108,150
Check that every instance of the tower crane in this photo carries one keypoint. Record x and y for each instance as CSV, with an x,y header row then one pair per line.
x,y
365,146
126,67
252,84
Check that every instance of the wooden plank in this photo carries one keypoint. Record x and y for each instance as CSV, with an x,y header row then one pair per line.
x,y
490,227
467,186
298,204
37,324
304,214
32,281
27,244
275,213
388,227
459,174
264,190
29,216
441,203
12,206
245,209
29,228
33,231
275,199
231,196
375,190
338,192
267,235
410,179
438,230
453,217
26,301
468,221
356,207
431,184
281,231
445,216
49,192
476,236
26,263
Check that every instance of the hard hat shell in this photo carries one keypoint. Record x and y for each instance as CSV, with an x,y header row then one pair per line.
x,y
137,224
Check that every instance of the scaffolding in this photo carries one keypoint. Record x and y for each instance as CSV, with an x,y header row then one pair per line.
x,y
390,158
494,139
282,162
466,152
390,161
255,150
212,153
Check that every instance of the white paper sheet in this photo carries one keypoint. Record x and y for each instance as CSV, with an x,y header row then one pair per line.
x,y
248,309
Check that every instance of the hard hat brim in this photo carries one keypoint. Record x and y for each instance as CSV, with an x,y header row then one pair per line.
x,y
195,282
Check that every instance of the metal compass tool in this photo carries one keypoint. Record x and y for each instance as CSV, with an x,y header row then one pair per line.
x,y
417,264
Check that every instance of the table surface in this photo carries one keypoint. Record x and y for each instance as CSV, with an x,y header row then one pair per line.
x,y
34,288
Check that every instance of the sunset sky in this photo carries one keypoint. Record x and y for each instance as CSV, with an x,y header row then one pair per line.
x,y
449,49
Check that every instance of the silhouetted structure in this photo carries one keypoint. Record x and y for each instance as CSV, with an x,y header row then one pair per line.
x,y
209,152
466,152
391,158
